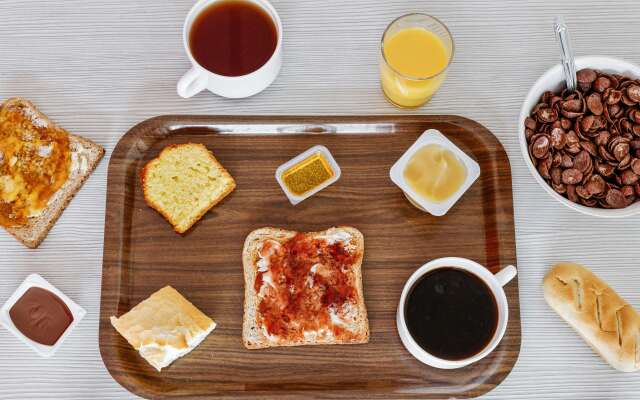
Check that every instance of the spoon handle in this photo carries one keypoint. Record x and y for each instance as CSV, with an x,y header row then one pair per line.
x,y
568,63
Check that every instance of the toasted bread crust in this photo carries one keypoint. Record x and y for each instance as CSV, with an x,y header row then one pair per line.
x,y
143,178
36,230
252,335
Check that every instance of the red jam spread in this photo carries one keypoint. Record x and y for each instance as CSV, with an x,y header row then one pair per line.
x,y
41,316
308,278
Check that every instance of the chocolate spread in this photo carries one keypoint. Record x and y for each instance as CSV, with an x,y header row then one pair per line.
x,y
41,316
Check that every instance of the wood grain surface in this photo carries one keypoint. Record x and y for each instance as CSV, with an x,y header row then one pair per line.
x,y
99,67
142,254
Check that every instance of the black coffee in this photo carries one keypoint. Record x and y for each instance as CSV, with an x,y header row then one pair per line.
x,y
451,313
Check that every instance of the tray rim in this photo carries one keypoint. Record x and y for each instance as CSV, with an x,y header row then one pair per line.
x,y
148,125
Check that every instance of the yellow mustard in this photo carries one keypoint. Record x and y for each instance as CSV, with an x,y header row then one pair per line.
x,y
308,174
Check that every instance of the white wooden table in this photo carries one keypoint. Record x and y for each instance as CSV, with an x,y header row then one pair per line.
x,y
97,67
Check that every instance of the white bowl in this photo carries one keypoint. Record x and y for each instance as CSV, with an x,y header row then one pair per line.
x,y
553,80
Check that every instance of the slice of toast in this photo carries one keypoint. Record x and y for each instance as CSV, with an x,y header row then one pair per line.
x,y
85,156
184,182
347,323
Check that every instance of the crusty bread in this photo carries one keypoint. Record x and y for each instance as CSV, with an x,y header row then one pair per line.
x,y
604,320
85,157
164,327
184,182
253,334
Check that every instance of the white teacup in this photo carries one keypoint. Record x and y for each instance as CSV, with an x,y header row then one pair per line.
x,y
495,284
199,78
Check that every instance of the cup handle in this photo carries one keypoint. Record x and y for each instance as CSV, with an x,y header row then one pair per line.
x,y
506,274
192,83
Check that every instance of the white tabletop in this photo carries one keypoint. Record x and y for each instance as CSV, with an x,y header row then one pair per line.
x,y
98,67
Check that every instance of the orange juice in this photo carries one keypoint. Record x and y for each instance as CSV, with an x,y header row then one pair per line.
x,y
414,65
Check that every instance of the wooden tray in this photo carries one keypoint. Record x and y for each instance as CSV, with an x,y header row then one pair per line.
x,y
142,254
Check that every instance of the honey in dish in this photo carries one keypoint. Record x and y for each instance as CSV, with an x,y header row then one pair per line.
x,y
307,175
233,37
435,173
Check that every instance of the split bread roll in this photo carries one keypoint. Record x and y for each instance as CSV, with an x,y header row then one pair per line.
x,y
604,320
164,327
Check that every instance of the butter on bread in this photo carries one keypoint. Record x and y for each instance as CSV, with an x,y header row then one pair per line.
x,y
184,182
164,327
20,114
604,320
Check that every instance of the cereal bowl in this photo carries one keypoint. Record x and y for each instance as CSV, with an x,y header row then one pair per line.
x,y
553,80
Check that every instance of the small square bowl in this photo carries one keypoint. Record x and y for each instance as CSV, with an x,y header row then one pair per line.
x,y
295,199
35,280
437,209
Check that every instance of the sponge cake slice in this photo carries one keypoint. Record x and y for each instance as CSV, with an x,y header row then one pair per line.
x,y
184,182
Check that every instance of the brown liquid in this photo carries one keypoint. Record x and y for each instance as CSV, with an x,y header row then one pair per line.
x,y
41,316
451,313
233,38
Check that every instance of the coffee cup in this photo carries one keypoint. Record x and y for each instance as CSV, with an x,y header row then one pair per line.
x,y
476,271
199,78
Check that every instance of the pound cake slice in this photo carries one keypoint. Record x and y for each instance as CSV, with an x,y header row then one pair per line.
x,y
184,182
164,327
42,167
303,288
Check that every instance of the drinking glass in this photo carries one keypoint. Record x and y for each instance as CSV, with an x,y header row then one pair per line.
x,y
407,91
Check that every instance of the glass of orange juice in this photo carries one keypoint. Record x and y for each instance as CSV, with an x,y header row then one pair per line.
x,y
416,51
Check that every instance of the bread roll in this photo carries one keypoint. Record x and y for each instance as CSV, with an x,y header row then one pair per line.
x,y
604,320
164,327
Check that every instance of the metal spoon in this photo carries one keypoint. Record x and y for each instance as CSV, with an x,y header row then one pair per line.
x,y
568,63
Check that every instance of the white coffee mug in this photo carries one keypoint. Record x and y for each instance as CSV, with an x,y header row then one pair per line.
x,y
199,78
494,282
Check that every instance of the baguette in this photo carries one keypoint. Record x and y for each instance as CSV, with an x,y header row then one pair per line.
x,y
604,320
254,332
85,156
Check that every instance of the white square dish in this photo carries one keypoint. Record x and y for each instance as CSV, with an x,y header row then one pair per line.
x,y
35,280
294,199
437,209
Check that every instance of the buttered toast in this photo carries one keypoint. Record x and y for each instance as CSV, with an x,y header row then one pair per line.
x,y
303,288
184,182
42,167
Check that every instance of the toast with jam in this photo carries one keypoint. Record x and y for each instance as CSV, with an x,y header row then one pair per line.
x,y
303,288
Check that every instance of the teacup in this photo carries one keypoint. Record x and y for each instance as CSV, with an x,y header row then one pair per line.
x,y
199,78
495,284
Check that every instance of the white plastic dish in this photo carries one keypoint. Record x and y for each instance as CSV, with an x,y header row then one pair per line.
x,y
438,209
35,280
295,199
553,80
